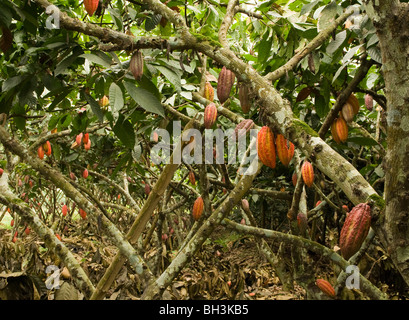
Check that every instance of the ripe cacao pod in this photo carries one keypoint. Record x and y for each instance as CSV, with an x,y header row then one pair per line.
x,y
285,150
85,139
350,108
198,208
58,236
192,178
64,210
209,91
27,231
307,172
355,230
12,223
83,214
136,65
369,102
339,130
244,98
246,125
88,145
265,147
78,138
224,84
85,174
1,172
210,115
91,6
326,287
40,152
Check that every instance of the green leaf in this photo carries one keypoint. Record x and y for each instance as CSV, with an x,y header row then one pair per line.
x,y
19,119
124,130
101,59
327,16
375,54
95,107
337,42
12,82
116,97
65,63
144,98
172,76
321,106
152,21
363,141
264,49
116,18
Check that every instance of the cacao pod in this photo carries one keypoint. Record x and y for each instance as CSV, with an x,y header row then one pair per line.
x,y
208,91
265,147
85,174
58,236
64,210
244,98
245,205
302,222
83,214
198,208
246,125
355,230
72,176
12,223
307,173
78,138
147,189
27,231
91,6
303,94
369,102
103,102
1,172
88,145
85,139
326,287
40,152
136,65
210,115
285,150
192,178
339,130
224,84
350,108
294,179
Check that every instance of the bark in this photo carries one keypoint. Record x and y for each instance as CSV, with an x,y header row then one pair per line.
x,y
389,17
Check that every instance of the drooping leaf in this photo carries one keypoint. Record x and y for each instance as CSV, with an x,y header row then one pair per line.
x,y
144,98
124,130
116,97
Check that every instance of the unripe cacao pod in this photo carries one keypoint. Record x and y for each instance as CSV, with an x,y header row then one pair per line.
x,y
307,172
224,84
244,98
103,102
136,65
266,147
91,6
339,130
210,115
246,124
40,152
326,287
285,150
355,230
369,102
192,178
208,91
198,208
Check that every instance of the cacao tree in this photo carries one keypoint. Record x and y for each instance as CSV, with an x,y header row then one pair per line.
x,y
89,89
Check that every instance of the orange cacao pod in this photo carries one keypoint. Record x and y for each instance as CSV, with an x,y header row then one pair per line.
x,y
224,84
1,172
326,287
355,230
83,214
64,210
294,179
198,208
307,172
210,115
192,178
88,145
40,152
136,65
91,6
339,130
85,174
208,91
244,98
265,147
285,150
85,138
350,108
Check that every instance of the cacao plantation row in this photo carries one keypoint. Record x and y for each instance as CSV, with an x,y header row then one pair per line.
x,y
108,178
